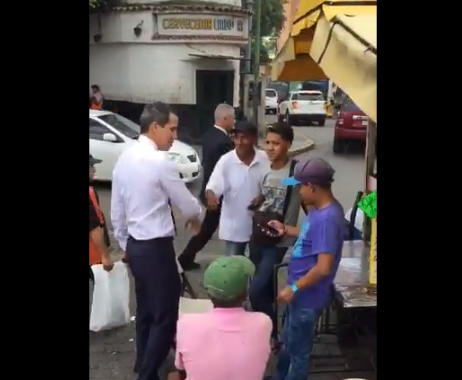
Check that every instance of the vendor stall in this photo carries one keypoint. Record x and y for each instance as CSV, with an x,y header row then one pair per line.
x,y
340,37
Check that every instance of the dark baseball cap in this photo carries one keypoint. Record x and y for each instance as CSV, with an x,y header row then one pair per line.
x,y
312,171
247,127
94,160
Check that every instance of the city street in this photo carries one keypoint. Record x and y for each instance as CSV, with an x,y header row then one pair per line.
x,y
112,353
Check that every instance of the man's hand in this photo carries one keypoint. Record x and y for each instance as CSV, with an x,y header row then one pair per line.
x,y
278,227
194,225
125,258
286,295
212,200
256,202
107,264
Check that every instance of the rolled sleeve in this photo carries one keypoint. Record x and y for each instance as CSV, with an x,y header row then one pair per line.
x,y
118,217
217,180
177,191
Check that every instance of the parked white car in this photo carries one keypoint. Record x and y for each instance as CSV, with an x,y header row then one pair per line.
x,y
304,107
111,134
271,101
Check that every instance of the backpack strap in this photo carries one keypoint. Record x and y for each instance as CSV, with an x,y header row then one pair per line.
x,y
289,189
96,205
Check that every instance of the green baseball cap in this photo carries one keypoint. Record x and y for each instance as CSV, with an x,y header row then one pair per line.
x,y
227,277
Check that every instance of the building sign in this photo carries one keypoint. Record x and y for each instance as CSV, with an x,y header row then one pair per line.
x,y
196,24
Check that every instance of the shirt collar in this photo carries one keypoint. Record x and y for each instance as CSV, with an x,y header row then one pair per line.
x,y
228,310
221,129
255,161
146,140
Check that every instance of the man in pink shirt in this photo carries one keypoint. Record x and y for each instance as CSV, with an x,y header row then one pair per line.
x,y
227,343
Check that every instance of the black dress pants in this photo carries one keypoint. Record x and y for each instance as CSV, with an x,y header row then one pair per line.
x,y
157,287
199,241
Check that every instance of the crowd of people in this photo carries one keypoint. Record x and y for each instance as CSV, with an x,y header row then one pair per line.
x,y
254,198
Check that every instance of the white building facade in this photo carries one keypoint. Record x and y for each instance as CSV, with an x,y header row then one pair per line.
x,y
186,54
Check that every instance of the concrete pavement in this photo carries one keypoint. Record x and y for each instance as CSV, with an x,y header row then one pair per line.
x,y
112,353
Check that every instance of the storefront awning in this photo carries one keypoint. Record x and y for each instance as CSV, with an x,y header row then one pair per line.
x,y
309,11
294,63
345,47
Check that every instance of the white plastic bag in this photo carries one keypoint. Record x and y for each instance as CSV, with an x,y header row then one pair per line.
x,y
110,298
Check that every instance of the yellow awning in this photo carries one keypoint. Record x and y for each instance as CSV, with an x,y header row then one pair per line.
x,y
301,69
309,11
346,49
293,62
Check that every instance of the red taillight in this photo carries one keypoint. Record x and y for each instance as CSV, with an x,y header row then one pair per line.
x,y
294,104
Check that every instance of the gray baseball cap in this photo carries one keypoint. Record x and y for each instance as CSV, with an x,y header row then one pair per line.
x,y
312,171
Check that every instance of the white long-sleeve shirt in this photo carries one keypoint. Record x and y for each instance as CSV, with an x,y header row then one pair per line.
x,y
143,181
239,184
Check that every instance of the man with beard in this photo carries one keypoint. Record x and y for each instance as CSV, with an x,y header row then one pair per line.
x,y
144,181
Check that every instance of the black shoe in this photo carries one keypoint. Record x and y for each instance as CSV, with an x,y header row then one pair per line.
x,y
190,266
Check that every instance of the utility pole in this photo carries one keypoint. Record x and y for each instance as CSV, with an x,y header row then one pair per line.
x,y
256,62
248,49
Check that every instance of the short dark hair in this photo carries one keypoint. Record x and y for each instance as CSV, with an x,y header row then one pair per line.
x,y
283,129
95,87
157,112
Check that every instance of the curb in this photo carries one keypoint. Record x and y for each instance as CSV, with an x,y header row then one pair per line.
x,y
309,145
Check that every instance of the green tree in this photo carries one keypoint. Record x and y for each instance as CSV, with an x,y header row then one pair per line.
x,y
271,22
272,17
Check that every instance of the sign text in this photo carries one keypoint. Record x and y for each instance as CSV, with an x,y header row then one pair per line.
x,y
198,24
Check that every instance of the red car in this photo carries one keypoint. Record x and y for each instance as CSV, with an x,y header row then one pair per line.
x,y
350,126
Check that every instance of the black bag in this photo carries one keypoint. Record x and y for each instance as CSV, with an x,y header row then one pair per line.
x,y
261,218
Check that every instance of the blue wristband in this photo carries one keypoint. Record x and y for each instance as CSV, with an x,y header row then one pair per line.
x,y
294,287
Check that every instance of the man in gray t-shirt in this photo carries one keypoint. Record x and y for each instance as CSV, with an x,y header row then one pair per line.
x,y
278,141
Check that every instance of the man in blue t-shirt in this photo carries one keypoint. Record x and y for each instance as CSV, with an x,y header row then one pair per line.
x,y
312,266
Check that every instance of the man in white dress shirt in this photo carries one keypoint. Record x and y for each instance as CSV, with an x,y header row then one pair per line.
x,y
238,177
144,181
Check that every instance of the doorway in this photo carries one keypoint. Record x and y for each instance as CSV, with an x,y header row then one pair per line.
x,y
212,88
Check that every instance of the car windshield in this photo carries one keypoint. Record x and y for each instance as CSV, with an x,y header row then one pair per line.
x,y
271,94
122,125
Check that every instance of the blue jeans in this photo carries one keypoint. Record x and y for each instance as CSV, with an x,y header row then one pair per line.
x,y
261,290
233,248
297,342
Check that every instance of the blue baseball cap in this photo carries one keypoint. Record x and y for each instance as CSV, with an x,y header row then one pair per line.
x,y
312,171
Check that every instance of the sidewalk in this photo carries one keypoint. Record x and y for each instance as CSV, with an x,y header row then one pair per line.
x,y
302,143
